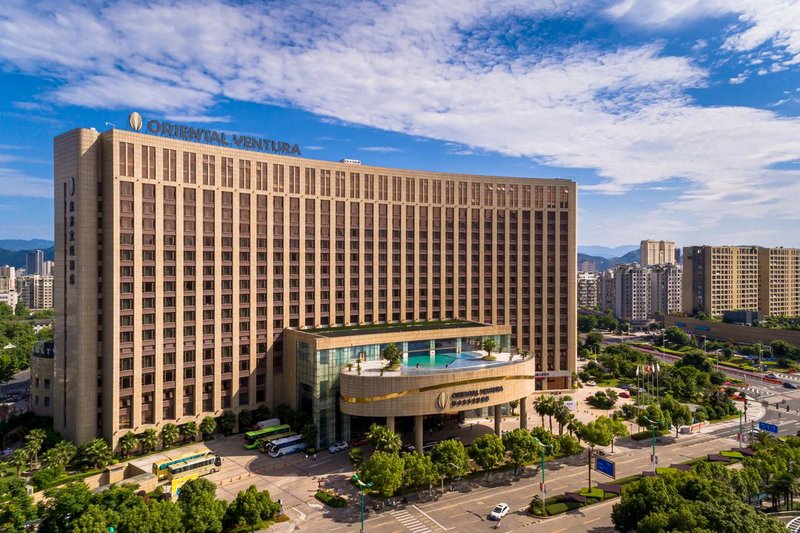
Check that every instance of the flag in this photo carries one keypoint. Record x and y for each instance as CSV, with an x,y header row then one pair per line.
x,y
637,371
658,368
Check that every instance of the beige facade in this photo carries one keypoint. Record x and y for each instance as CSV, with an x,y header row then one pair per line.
x,y
720,278
632,293
656,253
36,291
42,386
208,253
666,287
588,290
779,281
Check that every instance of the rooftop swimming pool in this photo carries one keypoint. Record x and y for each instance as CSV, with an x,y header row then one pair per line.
x,y
463,360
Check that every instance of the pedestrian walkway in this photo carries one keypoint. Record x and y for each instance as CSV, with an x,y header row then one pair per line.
x,y
410,522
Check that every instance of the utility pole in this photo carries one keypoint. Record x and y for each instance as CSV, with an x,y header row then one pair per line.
x,y
542,488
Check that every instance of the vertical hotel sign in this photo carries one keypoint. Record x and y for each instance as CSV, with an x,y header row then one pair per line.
x,y
70,225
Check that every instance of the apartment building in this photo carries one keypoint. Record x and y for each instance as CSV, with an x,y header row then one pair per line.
x,y
35,291
657,253
779,281
588,290
632,295
666,287
720,278
208,252
606,291
34,263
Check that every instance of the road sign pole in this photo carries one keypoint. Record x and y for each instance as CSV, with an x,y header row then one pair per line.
x,y
740,430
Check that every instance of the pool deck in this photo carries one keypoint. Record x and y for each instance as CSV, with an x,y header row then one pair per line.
x,y
468,363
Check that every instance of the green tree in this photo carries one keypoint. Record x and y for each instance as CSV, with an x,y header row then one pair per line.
x,y
19,459
207,426
16,507
202,511
94,519
169,435
245,420
62,505
676,337
616,427
21,309
562,414
128,443
541,405
148,440
586,323
34,441
385,471
384,439
6,310
487,451
310,433
95,453
450,458
356,457
596,433
60,455
513,404
419,470
594,340
547,438
189,431
392,354
153,516
679,414
227,422
489,344
520,446
250,510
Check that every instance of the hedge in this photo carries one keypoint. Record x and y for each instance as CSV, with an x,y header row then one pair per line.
x,y
330,498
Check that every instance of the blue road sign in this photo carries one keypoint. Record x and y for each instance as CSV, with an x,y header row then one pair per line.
x,y
604,466
765,426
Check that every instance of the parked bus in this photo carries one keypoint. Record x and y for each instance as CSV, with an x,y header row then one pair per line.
x,y
265,442
252,438
266,424
160,467
286,446
195,467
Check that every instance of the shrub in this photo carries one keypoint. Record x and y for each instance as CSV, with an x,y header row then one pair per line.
x,y
329,497
568,445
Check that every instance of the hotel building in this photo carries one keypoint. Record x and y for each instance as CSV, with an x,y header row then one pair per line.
x,y
182,268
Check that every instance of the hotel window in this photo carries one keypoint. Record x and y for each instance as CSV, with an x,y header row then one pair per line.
x,y
487,193
277,178
294,179
170,165
339,184
261,175
383,187
369,186
501,195
149,162
189,167
397,188
410,196
227,171
462,193
423,191
209,170
126,159
311,181
355,185
437,192
244,174
325,182
526,196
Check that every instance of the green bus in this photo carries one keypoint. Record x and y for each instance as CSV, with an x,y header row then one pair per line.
x,y
252,438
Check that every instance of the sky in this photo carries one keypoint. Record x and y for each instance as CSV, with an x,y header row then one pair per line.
x,y
679,119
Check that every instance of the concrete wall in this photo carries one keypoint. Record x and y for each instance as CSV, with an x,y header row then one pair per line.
x,y
733,332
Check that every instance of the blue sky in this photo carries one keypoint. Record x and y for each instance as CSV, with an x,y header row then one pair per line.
x,y
679,119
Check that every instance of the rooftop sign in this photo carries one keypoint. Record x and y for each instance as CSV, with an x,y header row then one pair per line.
x,y
213,137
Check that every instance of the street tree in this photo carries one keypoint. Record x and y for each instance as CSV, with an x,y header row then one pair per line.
x,y
356,457
245,420
385,471
16,507
586,323
679,414
676,337
521,446
310,433
208,426
152,516
418,470
594,341
488,452
62,505
148,440
169,435
384,439
596,433
34,441
188,431
616,427
128,444
95,453
450,458
227,422
202,511
562,414
250,510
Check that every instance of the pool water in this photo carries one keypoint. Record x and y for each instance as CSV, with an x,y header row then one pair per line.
x,y
440,360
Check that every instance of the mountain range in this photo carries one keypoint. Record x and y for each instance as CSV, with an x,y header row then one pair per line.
x,y
16,245
13,251
604,263
606,252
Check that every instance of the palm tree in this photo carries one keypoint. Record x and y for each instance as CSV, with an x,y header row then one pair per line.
x,y
128,444
19,459
96,453
169,435
148,440
207,426
540,406
574,426
189,431
384,439
60,455
34,442
392,354
562,415
489,344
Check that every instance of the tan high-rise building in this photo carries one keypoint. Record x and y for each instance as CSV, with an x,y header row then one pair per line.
x,y
36,291
779,281
632,293
656,253
588,289
171,299
665,288
720,278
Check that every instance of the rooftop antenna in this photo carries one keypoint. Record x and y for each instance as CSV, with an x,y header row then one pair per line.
x,y
110,124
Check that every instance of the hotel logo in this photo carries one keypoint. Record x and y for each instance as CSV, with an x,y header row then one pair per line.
x,y
135,121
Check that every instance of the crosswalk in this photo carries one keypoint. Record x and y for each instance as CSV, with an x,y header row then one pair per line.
x,y
794,525
410,522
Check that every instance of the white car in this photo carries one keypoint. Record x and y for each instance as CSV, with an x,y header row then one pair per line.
x,y
591,383
339,446
499,512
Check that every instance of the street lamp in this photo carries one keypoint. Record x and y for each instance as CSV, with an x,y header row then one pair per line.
x,y
444,475
361,487
653,426
543,490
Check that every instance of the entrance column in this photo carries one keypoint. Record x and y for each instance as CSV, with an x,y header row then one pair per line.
x,y
497,420
523,412
418,433
390,422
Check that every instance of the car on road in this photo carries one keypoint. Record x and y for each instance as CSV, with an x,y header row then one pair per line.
x,y
772,375
591,383
359,441
789,385
337,447
499,511
624,394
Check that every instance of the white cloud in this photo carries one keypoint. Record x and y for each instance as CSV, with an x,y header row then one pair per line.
x,y
437,70
379,149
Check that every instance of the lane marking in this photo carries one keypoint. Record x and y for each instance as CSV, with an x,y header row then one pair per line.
x,y
431,518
